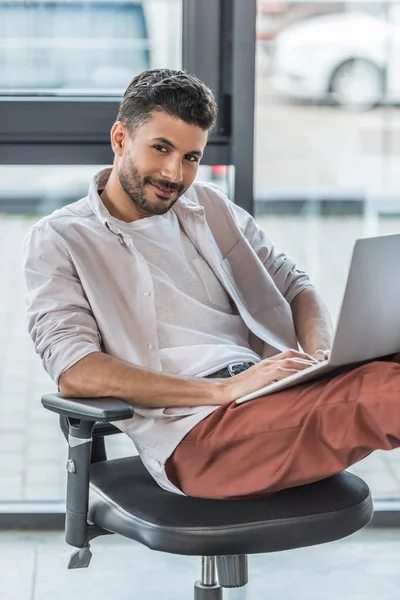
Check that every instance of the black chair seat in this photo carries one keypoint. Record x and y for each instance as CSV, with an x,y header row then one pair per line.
x,y
125,499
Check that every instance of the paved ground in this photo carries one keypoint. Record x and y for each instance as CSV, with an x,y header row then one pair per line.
x,y
32,449
364,566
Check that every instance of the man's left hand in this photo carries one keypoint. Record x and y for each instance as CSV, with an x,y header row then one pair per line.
x,y
321,354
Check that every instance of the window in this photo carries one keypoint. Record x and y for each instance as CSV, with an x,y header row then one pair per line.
x,y
32,447
54,135
75,47
327,164
64,66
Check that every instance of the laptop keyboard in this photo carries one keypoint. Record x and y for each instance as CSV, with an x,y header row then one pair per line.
x,y
299,374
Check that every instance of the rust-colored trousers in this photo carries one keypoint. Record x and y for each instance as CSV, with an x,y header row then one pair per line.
x,y
292,437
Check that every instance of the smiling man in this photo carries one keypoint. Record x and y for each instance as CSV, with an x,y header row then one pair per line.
x,y
158,290
152,171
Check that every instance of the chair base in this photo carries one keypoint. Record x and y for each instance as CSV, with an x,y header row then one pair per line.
x,y
207,592
80,559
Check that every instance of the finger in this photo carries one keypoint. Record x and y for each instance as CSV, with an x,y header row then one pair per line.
x,y
282,373
297,363
280,359
321,354
293,363
293,354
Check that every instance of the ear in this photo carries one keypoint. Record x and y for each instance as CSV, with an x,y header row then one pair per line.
x,y
118,135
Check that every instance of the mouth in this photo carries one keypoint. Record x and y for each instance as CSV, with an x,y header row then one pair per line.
x,y
162,192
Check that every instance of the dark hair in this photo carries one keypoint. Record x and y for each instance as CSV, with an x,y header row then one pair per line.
x,y
177,93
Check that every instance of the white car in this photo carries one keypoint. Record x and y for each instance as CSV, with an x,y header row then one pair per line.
x,y
350,58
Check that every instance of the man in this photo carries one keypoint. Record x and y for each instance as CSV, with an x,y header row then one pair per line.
x,y
159,291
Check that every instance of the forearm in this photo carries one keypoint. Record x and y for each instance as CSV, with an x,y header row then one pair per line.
x,y
99,374
312,321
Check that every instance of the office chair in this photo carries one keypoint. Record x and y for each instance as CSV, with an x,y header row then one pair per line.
x,y
119,496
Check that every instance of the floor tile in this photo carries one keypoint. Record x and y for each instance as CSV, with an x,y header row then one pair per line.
x,y
364,566
17,569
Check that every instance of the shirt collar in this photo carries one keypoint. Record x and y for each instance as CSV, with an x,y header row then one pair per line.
x,y
99,183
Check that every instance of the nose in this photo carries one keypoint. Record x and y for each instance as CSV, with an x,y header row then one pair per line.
x,y
172,169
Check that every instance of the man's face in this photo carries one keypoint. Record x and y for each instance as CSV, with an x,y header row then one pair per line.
x,y
159,161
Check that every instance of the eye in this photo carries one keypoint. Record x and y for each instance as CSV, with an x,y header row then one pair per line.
x,y
160,148
191,158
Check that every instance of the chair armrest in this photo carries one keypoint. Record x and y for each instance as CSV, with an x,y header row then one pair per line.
x,y
90,409
82,414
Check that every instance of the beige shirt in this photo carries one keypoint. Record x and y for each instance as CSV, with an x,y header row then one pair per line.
x,y
88,292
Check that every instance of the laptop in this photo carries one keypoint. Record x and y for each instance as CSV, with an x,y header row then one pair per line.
x,y
369,322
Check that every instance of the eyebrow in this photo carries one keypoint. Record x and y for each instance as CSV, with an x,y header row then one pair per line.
x,y
171,145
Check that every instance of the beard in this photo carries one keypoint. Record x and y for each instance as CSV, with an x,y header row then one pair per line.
x,y
134,186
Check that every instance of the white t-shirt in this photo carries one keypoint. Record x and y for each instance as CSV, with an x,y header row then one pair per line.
x,y
199,329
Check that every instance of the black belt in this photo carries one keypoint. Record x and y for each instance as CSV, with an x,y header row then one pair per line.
x,y
231,370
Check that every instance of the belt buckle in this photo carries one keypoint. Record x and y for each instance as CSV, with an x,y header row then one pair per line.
x,y
230,368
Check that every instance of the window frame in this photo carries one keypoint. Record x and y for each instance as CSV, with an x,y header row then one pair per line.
x,y
218,47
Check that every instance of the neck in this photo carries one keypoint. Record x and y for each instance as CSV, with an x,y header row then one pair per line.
x,y
117,202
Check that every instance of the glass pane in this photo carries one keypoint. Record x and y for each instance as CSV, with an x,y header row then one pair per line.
x,y
221,175
32,448
327,165
85,47
33,451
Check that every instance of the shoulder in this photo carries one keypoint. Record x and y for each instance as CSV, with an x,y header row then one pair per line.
x,y
201,192
217,204
62,220
66,214
56,233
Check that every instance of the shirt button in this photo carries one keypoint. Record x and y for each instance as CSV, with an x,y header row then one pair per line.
x,y
146,293
150,346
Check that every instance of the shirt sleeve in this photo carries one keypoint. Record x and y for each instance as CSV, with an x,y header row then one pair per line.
x,y
288,278
60,321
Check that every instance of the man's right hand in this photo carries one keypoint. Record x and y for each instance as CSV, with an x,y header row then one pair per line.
x,y
99,374
265,372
